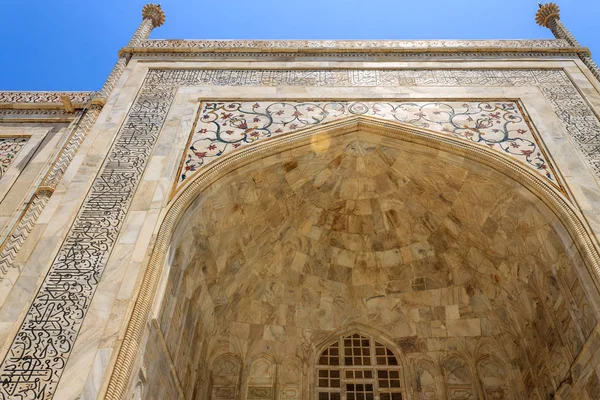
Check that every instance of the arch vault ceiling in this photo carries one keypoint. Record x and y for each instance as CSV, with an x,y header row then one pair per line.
x,y
435,250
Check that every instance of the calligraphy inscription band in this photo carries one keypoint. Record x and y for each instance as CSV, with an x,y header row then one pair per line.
x,y
40,350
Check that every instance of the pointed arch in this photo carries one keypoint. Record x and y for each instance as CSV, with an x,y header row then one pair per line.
x,y
494,377
567,216
428,379
289,378
260,377
358,362
458,377
360,329
225,377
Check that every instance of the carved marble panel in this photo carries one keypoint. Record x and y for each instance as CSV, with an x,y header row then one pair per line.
x,y
494,379
226,377
261,379
289,379
426,372
458,379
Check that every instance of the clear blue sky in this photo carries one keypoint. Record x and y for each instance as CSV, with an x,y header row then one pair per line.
x,y
72,45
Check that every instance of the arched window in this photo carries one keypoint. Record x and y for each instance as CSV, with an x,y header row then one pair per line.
x,y
357,367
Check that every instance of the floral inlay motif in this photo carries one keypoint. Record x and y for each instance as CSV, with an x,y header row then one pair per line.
x,y
9,148
222,127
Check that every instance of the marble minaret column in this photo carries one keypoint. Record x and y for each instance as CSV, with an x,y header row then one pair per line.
x,y
549,16
152,16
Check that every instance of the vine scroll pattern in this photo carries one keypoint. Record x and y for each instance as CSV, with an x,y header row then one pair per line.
x,y
38,354
222,127
9,149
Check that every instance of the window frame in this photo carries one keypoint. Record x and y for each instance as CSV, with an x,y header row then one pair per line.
x,y
369,372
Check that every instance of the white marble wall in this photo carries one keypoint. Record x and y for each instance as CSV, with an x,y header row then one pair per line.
x,y
17,186
95,350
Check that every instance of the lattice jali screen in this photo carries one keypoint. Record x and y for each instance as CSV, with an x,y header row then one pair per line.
x,y
357,367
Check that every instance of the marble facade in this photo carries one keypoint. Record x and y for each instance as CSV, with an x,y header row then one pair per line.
x,y
357,245
306,220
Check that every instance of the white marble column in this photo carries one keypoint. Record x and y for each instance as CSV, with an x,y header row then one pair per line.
x,y
549,16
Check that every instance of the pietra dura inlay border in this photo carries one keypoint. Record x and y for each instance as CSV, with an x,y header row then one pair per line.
x,y
9,149
223,126
40,350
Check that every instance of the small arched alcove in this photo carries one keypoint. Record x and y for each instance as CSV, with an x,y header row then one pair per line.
x,y
477,272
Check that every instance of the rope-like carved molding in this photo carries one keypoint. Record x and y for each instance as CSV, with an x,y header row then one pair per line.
x,y
591,64
110,82
568,216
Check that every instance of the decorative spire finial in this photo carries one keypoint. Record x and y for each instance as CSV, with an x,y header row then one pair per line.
x,y
546,13
155,13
